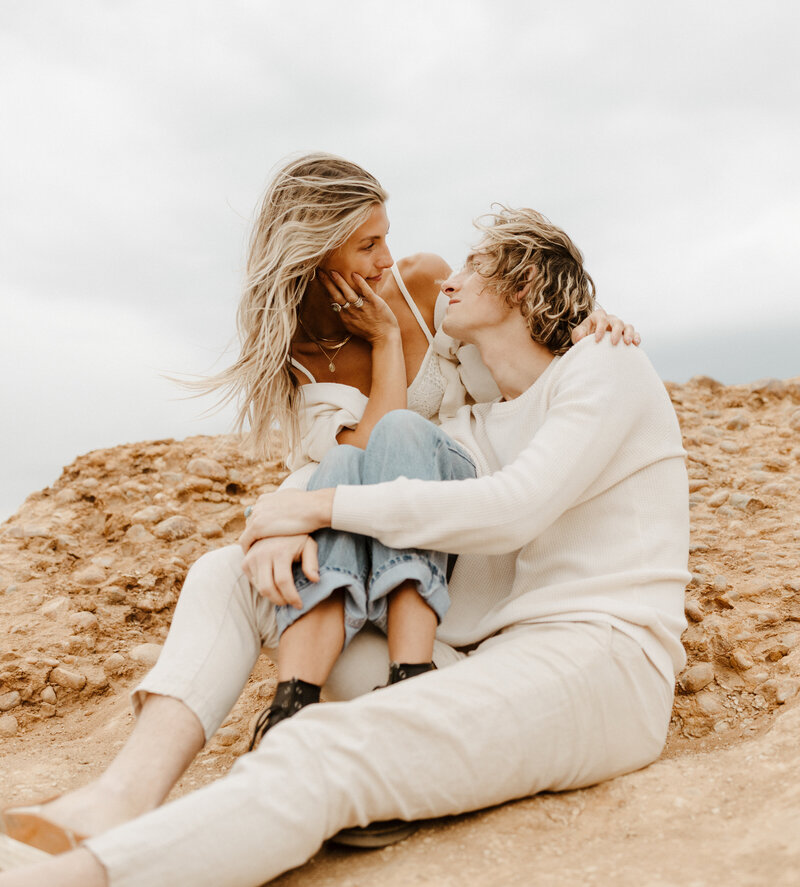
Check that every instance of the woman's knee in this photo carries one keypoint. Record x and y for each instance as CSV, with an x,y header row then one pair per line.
x,y
401,425
340,465
399,435
403,443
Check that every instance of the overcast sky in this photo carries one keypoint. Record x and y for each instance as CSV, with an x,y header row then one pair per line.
x,y
138,136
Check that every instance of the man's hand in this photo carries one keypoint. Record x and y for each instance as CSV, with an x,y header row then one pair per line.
x,y
287,513
268,566
598,322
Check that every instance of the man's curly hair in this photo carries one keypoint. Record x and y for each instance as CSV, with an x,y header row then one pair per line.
x,y
523,252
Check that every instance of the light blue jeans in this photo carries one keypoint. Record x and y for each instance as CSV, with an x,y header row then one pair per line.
x,y
402,444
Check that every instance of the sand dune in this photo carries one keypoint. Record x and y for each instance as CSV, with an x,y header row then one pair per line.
x,y
90,570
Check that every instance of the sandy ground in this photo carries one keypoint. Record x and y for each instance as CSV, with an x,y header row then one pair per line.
x,y
90,570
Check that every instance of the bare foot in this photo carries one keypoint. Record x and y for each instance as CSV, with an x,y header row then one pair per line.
x,y
85,812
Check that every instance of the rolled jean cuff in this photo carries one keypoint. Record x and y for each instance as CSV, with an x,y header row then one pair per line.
x,y
314,593
407,566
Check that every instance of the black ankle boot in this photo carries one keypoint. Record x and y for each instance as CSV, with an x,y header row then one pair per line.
x,y
290,697
401,671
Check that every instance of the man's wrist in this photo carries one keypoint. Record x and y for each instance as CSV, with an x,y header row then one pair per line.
x,y
323,507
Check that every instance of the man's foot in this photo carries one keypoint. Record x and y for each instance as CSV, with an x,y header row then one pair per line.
x,y
376,834
382,834
290,697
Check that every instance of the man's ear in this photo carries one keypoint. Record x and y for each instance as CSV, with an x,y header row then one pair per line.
x,y
520,294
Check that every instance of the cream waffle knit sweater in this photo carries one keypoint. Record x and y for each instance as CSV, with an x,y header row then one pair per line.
x,y
579,512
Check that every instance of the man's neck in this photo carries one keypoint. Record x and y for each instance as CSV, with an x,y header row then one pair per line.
x,y
513,358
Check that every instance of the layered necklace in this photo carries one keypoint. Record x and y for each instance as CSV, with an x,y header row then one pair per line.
x,y
335,344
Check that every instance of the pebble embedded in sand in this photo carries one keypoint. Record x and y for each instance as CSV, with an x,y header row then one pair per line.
x,y
146,654
706,382
697,676
10,700
56,608
152,514
67,496
196,485
176,527
226,736
694,611
709,703
91,575
786,690
48,695
746,503
138,533
202,466
114,663
719,498
738,422
65,677
9,726
83,621
741,660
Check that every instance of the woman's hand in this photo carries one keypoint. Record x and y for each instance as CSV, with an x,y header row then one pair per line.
x,y
362,311
598,322
287,513
268,566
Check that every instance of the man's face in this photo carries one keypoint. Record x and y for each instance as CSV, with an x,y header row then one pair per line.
x,y
474,302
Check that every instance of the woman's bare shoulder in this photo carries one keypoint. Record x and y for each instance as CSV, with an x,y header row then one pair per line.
x,y
423,274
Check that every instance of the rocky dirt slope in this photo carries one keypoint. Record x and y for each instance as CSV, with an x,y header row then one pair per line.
x,y
90,570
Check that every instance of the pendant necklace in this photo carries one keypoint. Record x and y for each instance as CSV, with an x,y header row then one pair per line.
x,y
336,346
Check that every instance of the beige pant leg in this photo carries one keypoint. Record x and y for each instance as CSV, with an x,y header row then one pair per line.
x,y
541,707
217,632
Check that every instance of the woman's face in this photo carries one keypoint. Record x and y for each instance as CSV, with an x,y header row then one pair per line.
x,y
365,252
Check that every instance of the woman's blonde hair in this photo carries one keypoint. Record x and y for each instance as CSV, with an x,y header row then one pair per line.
x,y
311,206
524,252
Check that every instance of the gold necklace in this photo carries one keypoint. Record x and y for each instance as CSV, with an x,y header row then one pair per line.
x,y
326,340
337,348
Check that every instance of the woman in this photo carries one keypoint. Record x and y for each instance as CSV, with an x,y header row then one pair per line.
x,y
309,376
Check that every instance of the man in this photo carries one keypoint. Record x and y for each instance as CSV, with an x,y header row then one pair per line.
x,y
563,638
